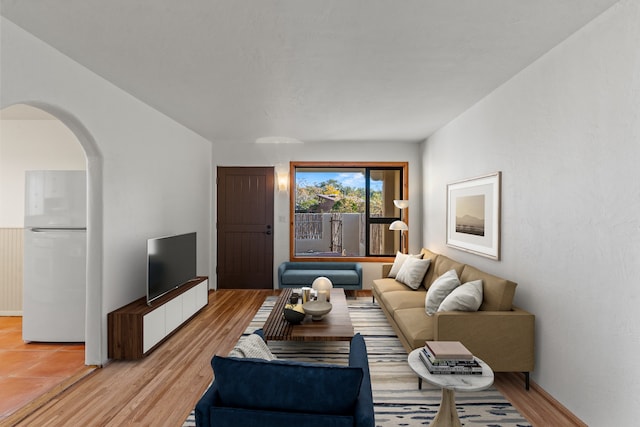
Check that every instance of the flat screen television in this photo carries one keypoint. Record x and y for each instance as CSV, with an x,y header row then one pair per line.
x,y
171,262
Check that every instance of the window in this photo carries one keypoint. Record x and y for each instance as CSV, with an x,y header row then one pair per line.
x,y
343,210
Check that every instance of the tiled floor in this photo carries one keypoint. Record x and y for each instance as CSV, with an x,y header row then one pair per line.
x,y
28,370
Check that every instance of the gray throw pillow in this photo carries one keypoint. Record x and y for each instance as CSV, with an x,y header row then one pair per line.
x,y
439,290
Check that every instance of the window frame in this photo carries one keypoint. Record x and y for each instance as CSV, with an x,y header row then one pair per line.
x,y
404,188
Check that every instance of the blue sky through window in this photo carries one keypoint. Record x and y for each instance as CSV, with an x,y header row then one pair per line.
x,y
348,179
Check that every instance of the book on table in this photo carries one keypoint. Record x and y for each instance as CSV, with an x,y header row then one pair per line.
x,y
451,359
449,350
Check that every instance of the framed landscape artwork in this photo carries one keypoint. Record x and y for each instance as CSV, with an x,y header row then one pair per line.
x,y
473,215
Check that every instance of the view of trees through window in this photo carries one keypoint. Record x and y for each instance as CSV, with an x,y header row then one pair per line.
x,y
345,211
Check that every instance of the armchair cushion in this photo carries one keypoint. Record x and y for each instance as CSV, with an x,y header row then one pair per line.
x,y
233,417
286,386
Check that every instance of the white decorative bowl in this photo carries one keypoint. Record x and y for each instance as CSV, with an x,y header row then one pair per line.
x,y
317,309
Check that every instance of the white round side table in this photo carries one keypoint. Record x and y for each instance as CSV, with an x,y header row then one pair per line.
x,y
447,415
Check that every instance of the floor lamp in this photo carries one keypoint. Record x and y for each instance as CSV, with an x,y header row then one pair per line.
x,y
400,225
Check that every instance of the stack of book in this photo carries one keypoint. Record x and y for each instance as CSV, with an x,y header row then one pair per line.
x,y
449,357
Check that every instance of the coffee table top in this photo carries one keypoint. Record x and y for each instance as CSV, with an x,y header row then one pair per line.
x,y
452,382
335,326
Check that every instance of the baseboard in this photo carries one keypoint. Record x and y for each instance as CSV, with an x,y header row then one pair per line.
x,y
557,405
10,313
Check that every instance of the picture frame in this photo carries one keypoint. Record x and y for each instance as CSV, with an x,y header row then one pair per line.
x,y
473,215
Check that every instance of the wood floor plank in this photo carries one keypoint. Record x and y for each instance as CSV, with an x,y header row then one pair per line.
x,y
161,389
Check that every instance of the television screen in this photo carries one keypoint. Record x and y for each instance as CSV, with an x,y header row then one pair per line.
x,y
171,262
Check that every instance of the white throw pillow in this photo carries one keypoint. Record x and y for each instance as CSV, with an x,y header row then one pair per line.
x,y
466,297
412,272
400,259
439,290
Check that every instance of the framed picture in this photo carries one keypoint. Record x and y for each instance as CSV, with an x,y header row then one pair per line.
x,y
473,215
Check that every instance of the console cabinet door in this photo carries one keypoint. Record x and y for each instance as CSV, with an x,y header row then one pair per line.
x,y
153,328
173,314
202,297
189,303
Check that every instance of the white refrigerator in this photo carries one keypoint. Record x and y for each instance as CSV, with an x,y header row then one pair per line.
x,y
55,243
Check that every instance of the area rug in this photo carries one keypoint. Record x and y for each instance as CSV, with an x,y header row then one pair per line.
x,y
397,399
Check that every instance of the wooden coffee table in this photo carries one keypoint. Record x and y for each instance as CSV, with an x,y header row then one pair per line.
x,y
334,326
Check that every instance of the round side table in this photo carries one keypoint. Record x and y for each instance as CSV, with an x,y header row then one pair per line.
x,y
447,415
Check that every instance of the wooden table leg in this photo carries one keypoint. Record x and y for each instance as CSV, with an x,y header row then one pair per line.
x,y
447,415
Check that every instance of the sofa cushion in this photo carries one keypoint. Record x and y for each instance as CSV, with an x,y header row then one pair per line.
x,y
466,297
306,276
497,292
403,299
415,325
439,289
234,417
381,286
398,262
442,265
412,272
286,386
428,278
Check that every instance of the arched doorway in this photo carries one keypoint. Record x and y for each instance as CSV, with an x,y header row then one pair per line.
x,y
94,332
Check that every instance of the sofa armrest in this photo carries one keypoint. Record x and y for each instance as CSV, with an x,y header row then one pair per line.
x,y
386,268
358,269
281,269
503,339
363,412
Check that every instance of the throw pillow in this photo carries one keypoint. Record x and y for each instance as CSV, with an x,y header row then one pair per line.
x,y
466,297
412,272
280,385
252,346
400,259
439,290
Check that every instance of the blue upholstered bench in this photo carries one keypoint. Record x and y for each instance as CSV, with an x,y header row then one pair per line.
x,y
347,275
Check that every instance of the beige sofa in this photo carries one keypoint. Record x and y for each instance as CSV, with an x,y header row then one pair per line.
x,y
498,333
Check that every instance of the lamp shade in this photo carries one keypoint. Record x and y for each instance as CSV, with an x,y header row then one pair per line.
x,y
323,287
401,204
398,225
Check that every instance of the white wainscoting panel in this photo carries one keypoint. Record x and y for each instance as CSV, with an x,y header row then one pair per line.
x,y
11,253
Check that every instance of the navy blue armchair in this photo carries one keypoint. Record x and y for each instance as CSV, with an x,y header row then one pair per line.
x,y
260,393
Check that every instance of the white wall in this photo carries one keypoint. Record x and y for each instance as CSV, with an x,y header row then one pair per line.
x,y
282,154
565,132
148,175
32,145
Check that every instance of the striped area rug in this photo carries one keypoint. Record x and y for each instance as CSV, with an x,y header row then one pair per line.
x,y
397,400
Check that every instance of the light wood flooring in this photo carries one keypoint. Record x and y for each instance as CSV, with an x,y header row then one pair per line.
x,y
163,388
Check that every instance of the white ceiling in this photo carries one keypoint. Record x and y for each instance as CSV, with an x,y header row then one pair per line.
x,y
316,70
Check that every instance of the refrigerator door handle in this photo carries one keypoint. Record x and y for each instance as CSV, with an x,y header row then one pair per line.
x,y
46,230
